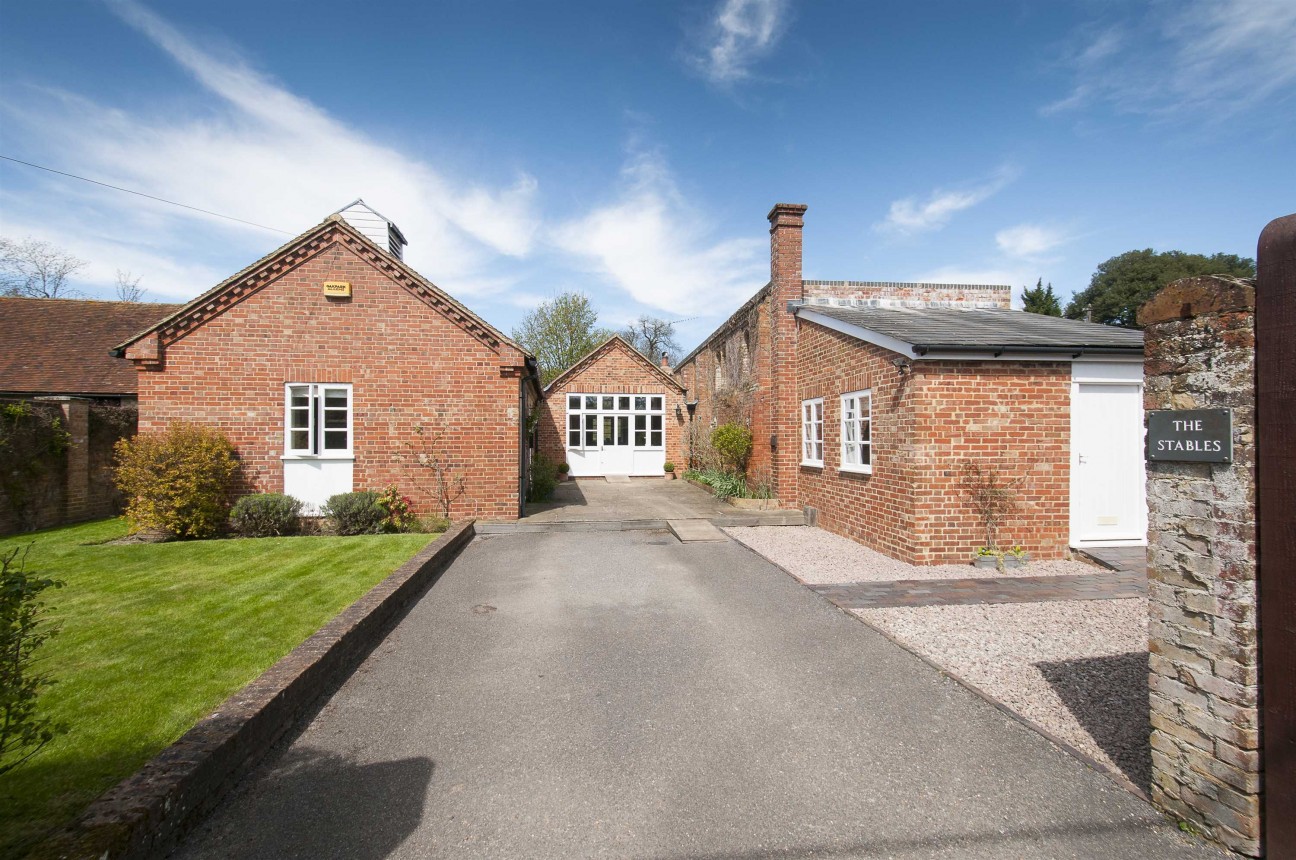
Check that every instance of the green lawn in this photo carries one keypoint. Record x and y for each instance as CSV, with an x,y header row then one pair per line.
x,y
155,636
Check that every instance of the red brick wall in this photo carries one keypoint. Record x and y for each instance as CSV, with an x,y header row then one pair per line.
x,y
1014,416
963,294
615,369
877,509
408,365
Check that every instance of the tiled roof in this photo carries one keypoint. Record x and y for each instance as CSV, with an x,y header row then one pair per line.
x,y
60,346
935,329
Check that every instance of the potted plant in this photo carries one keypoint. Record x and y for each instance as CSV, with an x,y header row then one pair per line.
x,y
1017,556
563,469
669,469
987,557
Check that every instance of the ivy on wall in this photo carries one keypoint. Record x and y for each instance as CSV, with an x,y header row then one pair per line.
x,y
33,442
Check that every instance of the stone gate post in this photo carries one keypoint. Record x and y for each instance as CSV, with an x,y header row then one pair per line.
x,y
1202,640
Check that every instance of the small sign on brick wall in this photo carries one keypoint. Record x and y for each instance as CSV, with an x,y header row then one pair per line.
x,y
337,289
1190,435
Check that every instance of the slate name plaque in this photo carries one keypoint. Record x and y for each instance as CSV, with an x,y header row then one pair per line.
x,y
1190,435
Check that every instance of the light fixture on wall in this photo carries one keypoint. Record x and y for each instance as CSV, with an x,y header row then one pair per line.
x,y
902,364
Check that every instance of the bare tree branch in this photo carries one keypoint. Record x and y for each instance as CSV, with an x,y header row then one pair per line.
x,y
36,269
128,288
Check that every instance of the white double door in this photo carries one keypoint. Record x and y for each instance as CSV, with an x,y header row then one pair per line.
x,y
1108,482
615,434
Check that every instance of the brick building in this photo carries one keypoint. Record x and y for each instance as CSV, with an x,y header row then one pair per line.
x,y
866,400
332,366
614,412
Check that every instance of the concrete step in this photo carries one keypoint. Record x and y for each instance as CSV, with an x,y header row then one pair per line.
x,y
695,531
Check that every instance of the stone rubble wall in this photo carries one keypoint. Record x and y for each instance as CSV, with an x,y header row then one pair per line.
x,y
1202,638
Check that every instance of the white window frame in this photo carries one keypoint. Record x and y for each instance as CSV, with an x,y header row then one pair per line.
x,y
850,403
808,424
622,405
316,449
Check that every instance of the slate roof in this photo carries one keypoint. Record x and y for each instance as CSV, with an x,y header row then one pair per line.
x,y
60,346
982,329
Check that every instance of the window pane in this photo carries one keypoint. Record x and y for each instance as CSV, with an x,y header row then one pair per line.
x,y
335,398
573,439
335,419
818,410
335,440
849,457
848,430
300,396
607,402
300,418
656,422
591,438
657,404
865,453
591,402
641,403
641,422
609,430
573,422
641,438
623,403
623,430
818,448
656,439
865,431
299,440
591,423
573,401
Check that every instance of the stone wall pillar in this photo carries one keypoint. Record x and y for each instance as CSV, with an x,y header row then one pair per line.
x,y
1202,637
76,500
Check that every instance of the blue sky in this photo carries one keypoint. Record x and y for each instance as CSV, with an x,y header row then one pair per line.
x,y
632,150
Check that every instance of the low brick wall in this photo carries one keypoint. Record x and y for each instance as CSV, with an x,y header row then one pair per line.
x,y
1202,567
147,814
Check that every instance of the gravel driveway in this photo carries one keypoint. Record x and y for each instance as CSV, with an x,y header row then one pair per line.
x,y
1076,668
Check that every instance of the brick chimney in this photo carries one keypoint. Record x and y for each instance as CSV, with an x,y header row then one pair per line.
x,y
786,221
665,362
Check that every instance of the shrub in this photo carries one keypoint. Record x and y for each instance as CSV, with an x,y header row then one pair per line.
x,y
177,481
266,515
563,468
356,513
725,485
23,732
733,442
399,509
544,478
669,467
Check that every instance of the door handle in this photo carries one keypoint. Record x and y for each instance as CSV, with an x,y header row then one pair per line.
x,y
1081,459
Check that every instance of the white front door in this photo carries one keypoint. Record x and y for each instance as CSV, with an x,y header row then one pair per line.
x,y
1108,484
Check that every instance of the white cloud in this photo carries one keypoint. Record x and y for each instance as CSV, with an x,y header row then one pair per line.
x,y
913,215
653,244
254,150
1221,56
1030,240
739,34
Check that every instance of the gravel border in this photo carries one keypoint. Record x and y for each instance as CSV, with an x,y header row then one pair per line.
x,y
822,558
1077,668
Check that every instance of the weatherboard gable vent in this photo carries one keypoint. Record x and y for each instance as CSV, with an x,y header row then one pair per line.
x,y
375,227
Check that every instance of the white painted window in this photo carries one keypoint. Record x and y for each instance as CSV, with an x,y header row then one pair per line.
x,y
317,420
601,420
812,432
857,432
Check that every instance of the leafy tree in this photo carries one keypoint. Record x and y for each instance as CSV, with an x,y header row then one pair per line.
x,y
560,332
36,270
652,336
1122,284
1040,299
23,629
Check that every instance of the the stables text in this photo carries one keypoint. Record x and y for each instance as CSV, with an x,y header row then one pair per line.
x,y
1190,435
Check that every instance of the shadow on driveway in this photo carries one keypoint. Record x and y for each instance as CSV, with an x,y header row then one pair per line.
x,y
1109,697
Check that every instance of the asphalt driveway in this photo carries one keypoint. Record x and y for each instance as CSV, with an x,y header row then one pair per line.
x,y
619,694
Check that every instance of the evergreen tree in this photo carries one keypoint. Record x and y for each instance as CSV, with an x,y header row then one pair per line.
x,y
1041,300
1122,284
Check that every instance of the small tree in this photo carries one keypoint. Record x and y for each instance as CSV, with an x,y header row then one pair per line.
x,y
652,337
733,443
431,467
128,288
177,481
23,629
36,270
559,333
1041,300
993,497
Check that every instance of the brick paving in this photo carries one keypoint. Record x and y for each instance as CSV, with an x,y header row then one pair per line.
x,y
1132,559
954,592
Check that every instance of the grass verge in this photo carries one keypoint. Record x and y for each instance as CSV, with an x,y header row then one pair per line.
x,y
155,636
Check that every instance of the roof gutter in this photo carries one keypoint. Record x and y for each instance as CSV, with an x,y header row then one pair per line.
x,y
921,349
